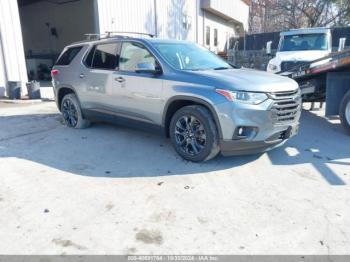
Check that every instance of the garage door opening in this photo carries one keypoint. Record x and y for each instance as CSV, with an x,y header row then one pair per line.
x,y
48,26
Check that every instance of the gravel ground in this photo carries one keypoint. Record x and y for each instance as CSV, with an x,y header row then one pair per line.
x,y
114,190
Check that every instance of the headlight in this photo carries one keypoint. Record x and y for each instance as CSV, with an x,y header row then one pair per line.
x,y
251,98
272,67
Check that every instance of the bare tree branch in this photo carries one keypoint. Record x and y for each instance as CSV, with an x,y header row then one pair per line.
x,y
276,15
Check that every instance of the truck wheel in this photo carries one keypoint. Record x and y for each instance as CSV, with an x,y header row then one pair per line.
x,y
344,112
194,134
71,112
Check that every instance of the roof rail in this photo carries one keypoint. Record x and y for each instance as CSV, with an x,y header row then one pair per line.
x,y
92,36
110,33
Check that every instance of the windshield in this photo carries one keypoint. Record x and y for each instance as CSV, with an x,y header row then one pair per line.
x,y
188,56
303,42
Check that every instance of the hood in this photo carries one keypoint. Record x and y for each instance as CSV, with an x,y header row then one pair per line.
x,y
249,80
301,55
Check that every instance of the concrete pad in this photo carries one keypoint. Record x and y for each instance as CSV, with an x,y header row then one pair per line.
x,y
47,93
114,190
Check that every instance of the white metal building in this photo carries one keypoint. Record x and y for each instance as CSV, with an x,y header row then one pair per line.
x,y
33,32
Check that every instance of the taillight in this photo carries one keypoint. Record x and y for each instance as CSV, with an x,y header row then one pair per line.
x,y
54,72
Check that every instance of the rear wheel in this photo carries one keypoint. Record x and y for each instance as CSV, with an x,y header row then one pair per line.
x,y
71,112
344,112
194,134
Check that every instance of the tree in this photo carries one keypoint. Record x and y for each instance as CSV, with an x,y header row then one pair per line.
x,y
281,15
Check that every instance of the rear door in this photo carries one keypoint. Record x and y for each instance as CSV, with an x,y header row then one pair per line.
x,y
98,77
64,73
139,95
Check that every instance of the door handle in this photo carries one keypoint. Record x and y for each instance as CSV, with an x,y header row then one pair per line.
x,y
119,79
81,75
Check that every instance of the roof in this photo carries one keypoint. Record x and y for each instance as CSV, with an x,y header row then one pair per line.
x,y
315,30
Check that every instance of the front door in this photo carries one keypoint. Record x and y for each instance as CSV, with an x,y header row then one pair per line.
x,y
139,95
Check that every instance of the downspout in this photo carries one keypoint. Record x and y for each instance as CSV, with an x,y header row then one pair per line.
x,y
96,17
2,60
155,18
204,43
197,14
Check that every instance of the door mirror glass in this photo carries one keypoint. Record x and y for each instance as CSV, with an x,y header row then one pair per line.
x,y
146,68
341,44
268,48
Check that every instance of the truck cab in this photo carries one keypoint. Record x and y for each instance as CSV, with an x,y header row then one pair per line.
x,y
299,46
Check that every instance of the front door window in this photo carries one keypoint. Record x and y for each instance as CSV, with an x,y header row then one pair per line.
x,y
133,54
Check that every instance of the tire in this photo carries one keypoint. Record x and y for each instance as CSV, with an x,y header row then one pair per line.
x,y
71,112
197,140
344,112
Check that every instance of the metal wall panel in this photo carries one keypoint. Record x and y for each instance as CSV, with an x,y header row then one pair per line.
x,y
121,15
11,45
231,9
174,19
177,19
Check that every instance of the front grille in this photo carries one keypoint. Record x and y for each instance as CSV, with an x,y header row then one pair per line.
x,y
286,106
286,65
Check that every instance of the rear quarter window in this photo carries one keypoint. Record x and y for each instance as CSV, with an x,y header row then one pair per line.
x,y
67,57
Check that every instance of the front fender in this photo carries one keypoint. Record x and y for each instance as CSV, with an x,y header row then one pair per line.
x,y
197,100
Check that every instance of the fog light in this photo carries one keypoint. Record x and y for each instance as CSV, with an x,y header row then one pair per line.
x,y
245,132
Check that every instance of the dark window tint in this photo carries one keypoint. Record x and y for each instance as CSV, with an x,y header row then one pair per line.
x,y
67,57
207,36
133,54
215,37
304,42
90,56
105,56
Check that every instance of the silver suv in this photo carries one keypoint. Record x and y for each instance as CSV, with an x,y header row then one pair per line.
x,y
204,104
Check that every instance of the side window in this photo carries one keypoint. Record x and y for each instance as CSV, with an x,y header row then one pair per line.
x,y
207,35
67,57
90,56
215,37
105,56
133,54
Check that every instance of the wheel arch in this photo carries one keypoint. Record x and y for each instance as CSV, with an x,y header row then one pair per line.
x,y
63,91
177,102
344,118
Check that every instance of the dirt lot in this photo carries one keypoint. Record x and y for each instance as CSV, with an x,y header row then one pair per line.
x,y
114,190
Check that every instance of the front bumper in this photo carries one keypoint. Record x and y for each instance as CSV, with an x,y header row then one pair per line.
x,y
267,132
247,147
234,148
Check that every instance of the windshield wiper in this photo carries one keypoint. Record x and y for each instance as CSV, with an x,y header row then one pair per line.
x,y
221,68
195,69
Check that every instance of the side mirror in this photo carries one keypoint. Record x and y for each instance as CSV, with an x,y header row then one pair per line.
x,y
341,44
147,68
268,48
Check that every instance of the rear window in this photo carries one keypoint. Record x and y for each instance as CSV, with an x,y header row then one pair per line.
x,y
67,57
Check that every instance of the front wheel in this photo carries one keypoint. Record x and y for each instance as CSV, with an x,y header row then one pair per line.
x,y
193,133
71,112
344,112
